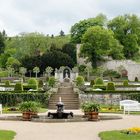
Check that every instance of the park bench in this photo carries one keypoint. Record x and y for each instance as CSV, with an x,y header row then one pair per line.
x,y
124,102
129,105
0,108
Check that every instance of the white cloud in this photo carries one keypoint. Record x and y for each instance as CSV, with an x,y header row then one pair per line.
x,y
50,16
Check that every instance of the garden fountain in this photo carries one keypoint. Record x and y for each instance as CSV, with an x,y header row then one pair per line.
x,y
60,114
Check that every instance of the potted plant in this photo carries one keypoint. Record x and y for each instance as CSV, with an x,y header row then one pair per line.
x,y
29,109
91,110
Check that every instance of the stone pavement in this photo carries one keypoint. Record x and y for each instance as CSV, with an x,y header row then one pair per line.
x,y
67,131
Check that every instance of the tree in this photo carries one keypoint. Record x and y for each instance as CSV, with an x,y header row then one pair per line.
x,y
78,29
97,42
49,70
2,41
62,33
36,70
127,31
10,71
22,70
70,49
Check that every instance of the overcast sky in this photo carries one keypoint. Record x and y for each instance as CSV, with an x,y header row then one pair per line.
x,y
50,16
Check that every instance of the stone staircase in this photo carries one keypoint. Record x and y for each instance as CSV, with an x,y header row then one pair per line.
x,y
68,97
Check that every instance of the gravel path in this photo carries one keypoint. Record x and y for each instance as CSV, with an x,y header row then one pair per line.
x,y
67,131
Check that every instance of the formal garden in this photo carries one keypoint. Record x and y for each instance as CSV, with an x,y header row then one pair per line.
x,y
35,68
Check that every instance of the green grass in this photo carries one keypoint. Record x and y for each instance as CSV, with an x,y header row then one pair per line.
x,y
117,135
7,135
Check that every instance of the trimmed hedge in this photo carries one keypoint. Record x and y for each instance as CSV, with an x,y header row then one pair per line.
x,y
103,87
125,83
51,81
134,96
7,83
18,87
33,84
92,82
13,99
110,86
99,81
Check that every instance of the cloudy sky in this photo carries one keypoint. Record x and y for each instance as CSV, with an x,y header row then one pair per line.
x,y
50,16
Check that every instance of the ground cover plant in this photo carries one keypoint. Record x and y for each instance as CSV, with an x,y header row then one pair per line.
x,y
7,135
127,134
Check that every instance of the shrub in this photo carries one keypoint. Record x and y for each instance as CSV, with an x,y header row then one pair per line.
x,y
13,99
7,83
110,86
111,73
125,83
40,83
99,81
18,87
136,79
51,81
80,81
92,82
33,84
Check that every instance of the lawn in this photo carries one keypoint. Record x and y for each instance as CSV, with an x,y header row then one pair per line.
x,y
7,135
117,135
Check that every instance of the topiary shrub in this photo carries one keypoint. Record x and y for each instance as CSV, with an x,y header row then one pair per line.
x,y
92,82
80,81
32,83
136,79
110,86
7,83
40,83
125,83
99,81
18,87
51,81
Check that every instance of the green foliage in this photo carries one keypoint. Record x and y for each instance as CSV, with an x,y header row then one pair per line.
x,y
92,82
136,79
78,29
110,86
51,81
125,83
13,99
103,87
36,70
111,73
126,30
29,106
90,107
7,135
99,81
134,96
97,42
18,87
49,70
40,83
3,74
2,41
118,135
80,81
32,83
7,83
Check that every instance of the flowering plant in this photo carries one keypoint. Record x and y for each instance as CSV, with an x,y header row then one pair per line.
x,y
132,130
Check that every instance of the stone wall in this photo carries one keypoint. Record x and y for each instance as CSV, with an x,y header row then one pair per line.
x,y
104,98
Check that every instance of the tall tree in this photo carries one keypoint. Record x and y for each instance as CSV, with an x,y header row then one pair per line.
x,y
23,71
49,70
126,29
2,41
97,42
36,70
78,29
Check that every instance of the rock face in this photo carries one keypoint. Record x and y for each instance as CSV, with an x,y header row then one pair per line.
x,y
68,97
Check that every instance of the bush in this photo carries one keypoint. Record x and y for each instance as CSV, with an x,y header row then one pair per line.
x,y
40,83
99,81
110,86
80,81
125,83
51,81
7,83
111,73
33,84
136,79
13,99
92,82
18,87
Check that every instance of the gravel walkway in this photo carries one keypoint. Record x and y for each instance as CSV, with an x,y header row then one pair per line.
x,y
67,131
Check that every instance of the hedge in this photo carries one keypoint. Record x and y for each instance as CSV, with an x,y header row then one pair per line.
x,y
13,99
134,96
